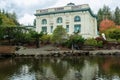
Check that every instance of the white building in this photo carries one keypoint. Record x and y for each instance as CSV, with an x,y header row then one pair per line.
x,y
74,18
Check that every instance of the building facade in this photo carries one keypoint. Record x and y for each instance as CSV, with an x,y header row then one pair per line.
x,y
74,18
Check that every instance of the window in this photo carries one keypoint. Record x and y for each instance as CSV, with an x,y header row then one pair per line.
x,y
51,29
44,29
77,28
77,19
44,21
67,28
59,20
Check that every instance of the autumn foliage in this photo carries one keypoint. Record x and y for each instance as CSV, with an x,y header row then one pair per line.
x,y
106,24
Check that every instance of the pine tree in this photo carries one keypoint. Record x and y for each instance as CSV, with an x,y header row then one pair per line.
x,y
104,13
100,16
117,16
107,13
34,22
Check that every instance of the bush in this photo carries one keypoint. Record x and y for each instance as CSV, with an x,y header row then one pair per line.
x,y
115,34
99,44
46,39
75,40
58,35
93,42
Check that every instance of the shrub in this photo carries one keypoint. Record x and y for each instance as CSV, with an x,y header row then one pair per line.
x,y
93,42
58,35
46,39
75,40
115,34
99,44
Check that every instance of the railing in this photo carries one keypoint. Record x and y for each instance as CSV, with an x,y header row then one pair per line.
x,y
62,8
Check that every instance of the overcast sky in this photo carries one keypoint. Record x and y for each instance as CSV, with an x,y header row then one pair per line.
x,y
25,9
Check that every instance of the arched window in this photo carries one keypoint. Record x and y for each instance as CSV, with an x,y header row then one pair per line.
x,y
59,20
44,21
77,19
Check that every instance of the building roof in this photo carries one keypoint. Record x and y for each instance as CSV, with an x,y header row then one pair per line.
x,y
71,7
70,4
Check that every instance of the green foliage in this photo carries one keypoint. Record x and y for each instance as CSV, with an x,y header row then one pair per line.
x,y
100,16
59,35
104,13
77,38
8,19
34,22
45,38
93,42
14,34
35,34
108,31
6,22
115,34
117,16
99,44
74,39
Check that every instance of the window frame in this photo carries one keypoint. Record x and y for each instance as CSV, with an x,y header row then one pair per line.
x,y
59,20
44,31
77,19
44,21
77,27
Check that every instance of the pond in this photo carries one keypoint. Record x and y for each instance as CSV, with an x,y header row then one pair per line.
x,y
70,68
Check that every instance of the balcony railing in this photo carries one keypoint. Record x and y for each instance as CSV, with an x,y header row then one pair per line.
x,y
62,8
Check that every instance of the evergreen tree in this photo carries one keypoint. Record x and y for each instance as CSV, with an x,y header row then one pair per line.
x,y
100,16
107,14
104,13
117,16
34,22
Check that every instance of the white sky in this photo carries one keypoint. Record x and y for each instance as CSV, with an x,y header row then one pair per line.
x,y
25,9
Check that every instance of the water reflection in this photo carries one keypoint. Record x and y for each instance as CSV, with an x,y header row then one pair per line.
x,y
78,68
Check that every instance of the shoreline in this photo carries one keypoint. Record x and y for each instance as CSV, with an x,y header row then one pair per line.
x,y
75,53
52,51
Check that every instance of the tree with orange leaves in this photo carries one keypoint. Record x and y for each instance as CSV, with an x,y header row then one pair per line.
x,y
106,24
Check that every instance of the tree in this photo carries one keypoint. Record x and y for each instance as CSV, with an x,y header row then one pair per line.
x,y
0,21
115,34
106,24
76,41
6,22
59,35
8,19
117,16
107,13
100,16
36,36
34,22
104,13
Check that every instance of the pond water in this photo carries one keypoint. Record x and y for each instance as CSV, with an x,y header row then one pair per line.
x,y
71,68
